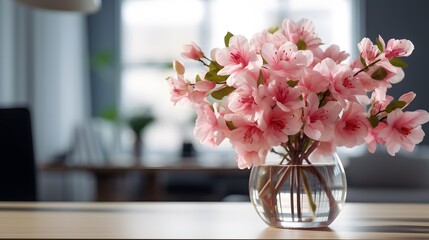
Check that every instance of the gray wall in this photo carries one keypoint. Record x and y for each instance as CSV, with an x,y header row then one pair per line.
x,y
104,38
405,19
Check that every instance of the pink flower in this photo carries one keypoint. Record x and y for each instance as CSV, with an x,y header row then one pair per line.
x,y
343,86
368,83
236,57
278,38
379,101
403,130
333,52
287,60
320,122
373,137
301,30
246,136
368,51
179,90
192,51
284,96
313,82
283,90
244,77
204,86
324,149
259,39
247,159
398,48
394,74
352,127
184,92
243,100
209,126
277,125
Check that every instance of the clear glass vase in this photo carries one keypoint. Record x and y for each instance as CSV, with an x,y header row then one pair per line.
x,y
309,195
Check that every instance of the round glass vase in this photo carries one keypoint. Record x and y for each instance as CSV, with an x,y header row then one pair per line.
x,y
309,195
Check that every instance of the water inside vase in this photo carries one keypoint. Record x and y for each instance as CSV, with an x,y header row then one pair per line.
x,y
298,196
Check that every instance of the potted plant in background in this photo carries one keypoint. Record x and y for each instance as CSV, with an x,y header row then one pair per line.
x,y
138,124
285,104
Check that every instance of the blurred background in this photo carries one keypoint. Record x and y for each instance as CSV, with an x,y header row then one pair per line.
x,y
102,124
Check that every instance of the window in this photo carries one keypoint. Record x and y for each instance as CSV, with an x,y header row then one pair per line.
x,y
154,31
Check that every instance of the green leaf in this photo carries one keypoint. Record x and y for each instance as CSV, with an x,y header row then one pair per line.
x,y
215,66
273,29
373,120
292,83
197,78
363,61
395,105
379,45
301,45
379,74
219,94
398,62
227,37
260,78
212,75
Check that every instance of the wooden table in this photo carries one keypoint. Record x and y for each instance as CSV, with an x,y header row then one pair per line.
x,y
189,220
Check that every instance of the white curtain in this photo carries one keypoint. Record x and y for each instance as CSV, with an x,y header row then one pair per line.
x,y
43,64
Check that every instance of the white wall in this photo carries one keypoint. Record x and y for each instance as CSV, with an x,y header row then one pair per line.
x,y
59,78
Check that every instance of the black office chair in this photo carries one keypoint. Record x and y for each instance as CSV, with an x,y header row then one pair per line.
x,y
17,164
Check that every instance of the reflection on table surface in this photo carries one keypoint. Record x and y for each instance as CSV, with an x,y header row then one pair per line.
x,y
201,220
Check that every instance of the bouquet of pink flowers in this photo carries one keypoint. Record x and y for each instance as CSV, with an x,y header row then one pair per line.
x,y
282,92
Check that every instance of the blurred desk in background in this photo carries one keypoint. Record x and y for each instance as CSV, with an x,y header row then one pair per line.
x,y
152,174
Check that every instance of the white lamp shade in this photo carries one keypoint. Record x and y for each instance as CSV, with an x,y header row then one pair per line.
x,y
86,6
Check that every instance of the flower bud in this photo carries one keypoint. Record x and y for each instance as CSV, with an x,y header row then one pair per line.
x,y
192,51
179,68
407,98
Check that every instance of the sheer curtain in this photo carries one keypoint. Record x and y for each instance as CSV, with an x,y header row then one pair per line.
x,y
43,65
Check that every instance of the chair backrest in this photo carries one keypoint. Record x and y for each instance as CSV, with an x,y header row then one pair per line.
x,y
17,164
